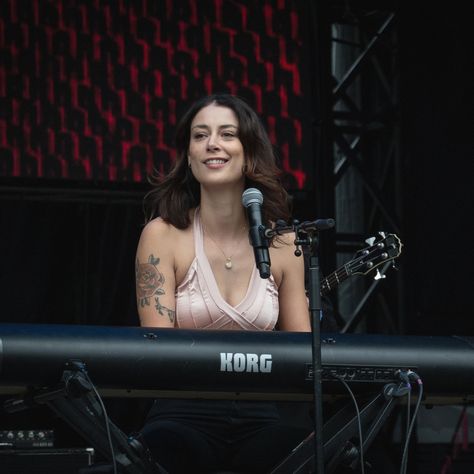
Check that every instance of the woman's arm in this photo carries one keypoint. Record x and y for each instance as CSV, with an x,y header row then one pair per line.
x,y
155,276
294,313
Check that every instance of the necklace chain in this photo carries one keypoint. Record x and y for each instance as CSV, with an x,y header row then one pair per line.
x,y
228,259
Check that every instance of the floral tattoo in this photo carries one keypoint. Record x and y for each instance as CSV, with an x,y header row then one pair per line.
x,y
150,283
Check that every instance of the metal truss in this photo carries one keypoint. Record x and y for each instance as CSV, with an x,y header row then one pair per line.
x,y
363,154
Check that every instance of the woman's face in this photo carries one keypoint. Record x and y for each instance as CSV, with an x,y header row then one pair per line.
x,y
215,152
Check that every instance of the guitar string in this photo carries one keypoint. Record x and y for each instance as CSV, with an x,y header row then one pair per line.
x,y
334,277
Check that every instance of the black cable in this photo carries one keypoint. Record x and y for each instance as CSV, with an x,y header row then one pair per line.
x,y
359,425
403,375
106,419
408,412
413,376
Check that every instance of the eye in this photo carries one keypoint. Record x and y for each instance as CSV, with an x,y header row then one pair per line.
x,y
199,135
229,134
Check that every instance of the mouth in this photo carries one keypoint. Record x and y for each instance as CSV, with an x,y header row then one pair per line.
x,y
215,161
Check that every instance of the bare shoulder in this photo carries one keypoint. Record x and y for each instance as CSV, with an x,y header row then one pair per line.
x,y
172,246
156,241
160,233
157,228
284,245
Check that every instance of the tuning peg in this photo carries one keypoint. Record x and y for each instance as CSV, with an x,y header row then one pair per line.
x,y
370,241
379,276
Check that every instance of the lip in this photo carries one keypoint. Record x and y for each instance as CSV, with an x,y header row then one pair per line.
x,y
215,161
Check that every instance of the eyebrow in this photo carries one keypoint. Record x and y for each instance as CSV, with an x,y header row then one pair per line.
x,y
220,127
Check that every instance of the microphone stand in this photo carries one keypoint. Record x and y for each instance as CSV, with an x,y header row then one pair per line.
x,y
306,236
316,314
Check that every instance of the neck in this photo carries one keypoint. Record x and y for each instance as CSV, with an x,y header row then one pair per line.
x,y
222,213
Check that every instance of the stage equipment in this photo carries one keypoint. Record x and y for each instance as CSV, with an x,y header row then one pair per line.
x,y
136,361
45,461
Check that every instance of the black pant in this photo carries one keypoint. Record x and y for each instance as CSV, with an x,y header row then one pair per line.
x,y
206,436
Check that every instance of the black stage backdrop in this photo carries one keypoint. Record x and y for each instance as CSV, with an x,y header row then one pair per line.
x,y
436,91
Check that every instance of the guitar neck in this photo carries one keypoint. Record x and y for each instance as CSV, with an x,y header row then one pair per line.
x,y
366,260
333,280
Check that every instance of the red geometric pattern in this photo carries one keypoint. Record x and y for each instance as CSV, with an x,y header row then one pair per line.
x,y
91,90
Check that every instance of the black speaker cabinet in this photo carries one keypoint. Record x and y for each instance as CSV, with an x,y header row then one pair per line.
x,y
45,461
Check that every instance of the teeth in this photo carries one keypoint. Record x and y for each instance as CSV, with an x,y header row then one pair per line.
x,y
215,161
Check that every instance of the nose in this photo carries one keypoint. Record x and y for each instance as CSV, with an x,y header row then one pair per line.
x,y
212,143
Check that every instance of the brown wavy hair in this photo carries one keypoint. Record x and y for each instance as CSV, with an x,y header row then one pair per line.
x,y
175,194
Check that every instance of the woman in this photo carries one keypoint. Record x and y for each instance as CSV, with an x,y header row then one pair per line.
x,y
195,269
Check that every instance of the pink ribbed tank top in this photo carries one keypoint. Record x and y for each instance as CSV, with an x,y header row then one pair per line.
x,y
199,304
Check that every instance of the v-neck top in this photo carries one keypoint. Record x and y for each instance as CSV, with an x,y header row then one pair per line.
x,y
200,305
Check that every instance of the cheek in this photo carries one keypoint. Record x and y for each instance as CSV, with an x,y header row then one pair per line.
x,y
192,151
239,151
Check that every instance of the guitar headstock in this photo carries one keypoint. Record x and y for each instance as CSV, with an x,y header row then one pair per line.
x,y
382,249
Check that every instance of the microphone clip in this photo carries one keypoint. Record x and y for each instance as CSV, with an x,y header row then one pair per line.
x,y
304,231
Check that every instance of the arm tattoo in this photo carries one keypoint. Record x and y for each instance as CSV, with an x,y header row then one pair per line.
x,y
150,281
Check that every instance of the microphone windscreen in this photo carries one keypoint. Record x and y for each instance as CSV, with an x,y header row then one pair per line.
x,y
252,196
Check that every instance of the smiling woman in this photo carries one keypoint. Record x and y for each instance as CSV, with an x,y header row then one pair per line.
x,y
173,195
195,268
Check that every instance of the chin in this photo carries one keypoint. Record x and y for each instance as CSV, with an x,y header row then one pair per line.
x,y
223,182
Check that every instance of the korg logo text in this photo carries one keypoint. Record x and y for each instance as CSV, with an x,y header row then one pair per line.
x,y
239,362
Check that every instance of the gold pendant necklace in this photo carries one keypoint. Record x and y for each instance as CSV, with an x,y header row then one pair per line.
x,y
228,259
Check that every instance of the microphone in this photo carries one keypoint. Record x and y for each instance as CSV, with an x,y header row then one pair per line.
x,y
252,200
